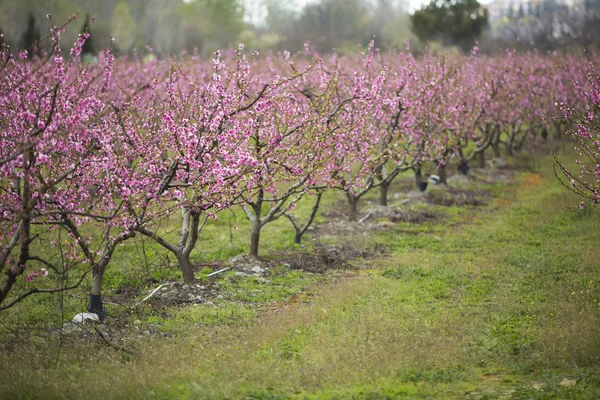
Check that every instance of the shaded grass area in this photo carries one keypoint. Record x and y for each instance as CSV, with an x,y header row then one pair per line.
x,y
498,301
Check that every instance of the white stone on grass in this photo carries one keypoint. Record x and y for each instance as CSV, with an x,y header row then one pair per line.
x,y
84,316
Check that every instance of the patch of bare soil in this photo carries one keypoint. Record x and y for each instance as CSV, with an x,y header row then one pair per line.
x,y
125,295
327,257
373,219
164,295
415,217
173,294
336,213
451,196
493,175
398,214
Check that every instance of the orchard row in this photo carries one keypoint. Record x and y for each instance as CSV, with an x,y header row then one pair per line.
x,y
117,146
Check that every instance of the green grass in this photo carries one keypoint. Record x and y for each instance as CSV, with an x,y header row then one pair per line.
x,y
183,320
499,301
279,285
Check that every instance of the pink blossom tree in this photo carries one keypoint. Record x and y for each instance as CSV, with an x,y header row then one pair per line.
x,y
291,145
200,128
583,127
50,116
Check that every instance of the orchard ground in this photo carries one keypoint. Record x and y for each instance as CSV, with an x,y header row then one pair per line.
x,y
486,290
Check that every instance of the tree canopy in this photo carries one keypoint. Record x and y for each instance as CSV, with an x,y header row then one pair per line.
x,y
452,22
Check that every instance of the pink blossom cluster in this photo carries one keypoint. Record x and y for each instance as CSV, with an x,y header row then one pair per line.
x,y
580,115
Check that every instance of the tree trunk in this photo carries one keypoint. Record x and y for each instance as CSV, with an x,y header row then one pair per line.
x,y
510,143
188,236
383,193
187,268
353,203
418,175
298,237
11,279
496,143
521,142
481,158
255,237
97,277
24,233
496,148
420,181
24,242
301,229
96,306
441,170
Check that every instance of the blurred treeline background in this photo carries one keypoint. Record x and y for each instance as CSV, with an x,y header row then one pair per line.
x,y
172,26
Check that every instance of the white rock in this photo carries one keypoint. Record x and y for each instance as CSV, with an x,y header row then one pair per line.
x,y
257,270
84,316
434,179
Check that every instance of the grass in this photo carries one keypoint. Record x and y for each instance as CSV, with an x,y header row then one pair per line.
x,y
497,301
182,320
